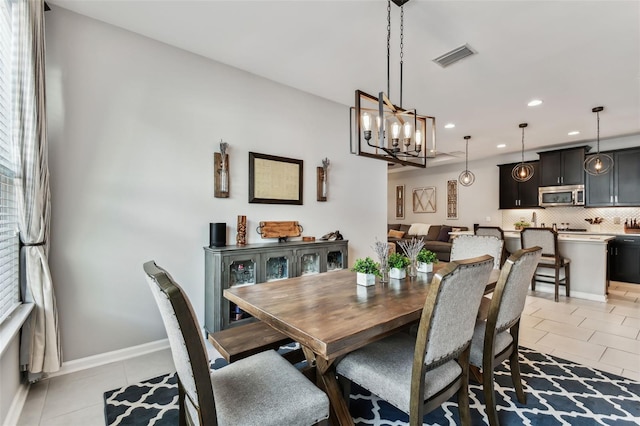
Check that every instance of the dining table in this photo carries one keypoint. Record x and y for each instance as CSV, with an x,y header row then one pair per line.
x,y
329,315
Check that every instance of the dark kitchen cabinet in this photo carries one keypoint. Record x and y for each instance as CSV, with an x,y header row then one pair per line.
x,y
624,259
563,167
620,186
518,195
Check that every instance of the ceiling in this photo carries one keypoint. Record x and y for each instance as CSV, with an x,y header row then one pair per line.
x,y
572,55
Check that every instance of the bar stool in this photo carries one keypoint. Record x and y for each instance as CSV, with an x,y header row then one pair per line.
x,y
547,238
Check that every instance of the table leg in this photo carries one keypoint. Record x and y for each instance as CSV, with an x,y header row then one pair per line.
x,y
326,380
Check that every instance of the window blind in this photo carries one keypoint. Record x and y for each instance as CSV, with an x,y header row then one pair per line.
x,y
9,248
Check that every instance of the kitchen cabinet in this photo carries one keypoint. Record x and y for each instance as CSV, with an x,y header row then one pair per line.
x,y
620,186
562,167
518,195
254,264
624,259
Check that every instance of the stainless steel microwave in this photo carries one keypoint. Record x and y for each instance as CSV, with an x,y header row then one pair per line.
x,y
554,196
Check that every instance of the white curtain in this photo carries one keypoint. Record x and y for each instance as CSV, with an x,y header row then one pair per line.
x,y
40,351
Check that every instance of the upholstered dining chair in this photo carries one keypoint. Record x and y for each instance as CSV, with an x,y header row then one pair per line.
x,y
551,258
468,246
417,374
263,389
493,231
496,338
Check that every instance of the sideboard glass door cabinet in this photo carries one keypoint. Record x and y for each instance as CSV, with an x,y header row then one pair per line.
x,y
253,264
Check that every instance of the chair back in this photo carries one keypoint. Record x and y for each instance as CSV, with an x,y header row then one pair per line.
x,y
469,246
448,318
546,238
490,231
187,345
510,293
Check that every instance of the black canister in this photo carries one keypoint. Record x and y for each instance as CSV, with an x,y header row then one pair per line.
x,y
217,234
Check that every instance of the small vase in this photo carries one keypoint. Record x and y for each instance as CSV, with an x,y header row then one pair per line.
x,y
412,269
365,279
397,273
425,267
384,271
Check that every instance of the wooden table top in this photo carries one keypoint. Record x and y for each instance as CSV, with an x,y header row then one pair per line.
x,y
332,315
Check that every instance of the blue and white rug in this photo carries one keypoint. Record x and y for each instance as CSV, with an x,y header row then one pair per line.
x,y
559,392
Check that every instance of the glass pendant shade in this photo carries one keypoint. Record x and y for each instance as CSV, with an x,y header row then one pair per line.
x,y
598,163
466,178
522,171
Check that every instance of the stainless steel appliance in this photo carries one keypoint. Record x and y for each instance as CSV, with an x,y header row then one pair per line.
x,y
567,195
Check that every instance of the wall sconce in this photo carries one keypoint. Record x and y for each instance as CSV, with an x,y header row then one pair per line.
x,y
221,171
323,173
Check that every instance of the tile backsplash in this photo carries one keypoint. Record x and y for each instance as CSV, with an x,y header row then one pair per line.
x,y
575,216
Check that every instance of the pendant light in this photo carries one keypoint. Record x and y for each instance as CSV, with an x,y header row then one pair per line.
x,y
466,178
522,171
598,164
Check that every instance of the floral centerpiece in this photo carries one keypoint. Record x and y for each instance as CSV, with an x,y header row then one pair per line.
x,y
411,248
397,265
382,251
367,270
426,259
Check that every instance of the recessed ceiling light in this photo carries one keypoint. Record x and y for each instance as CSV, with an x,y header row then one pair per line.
x,y
502,145
573,133
449,126
535,102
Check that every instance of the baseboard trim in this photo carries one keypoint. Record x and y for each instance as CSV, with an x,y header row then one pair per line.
x,y
13,416
109,357
544,287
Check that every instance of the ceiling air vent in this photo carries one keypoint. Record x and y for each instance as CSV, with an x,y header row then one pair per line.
x,y
454,56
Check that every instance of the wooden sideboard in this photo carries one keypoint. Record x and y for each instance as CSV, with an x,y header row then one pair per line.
x,y
231,266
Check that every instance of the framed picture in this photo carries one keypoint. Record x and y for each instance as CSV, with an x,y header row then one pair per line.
x,y
274,180
452,199
399,201
424,199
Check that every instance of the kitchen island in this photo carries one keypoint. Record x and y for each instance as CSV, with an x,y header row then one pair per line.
x,y
589,262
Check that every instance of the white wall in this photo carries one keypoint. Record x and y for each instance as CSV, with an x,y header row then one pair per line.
x,y
133,125
479,201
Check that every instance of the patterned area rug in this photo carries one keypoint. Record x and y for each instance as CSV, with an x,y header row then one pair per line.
x,y
558,392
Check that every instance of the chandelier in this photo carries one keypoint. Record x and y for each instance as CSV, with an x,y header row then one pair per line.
x,y
385,131
467,177
598,164
522,171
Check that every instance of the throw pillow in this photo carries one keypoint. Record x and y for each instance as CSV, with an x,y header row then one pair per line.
x,y
419,229
444,234
434,231
395,234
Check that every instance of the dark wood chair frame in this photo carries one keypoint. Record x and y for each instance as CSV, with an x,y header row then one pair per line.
x,y
491,360
418,407
559,262
205,406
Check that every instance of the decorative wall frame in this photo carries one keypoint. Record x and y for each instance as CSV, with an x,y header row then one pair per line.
x,y
452,199
274,180
399,201
424,199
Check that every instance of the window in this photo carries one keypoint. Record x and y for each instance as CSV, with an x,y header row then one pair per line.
x,y
9,277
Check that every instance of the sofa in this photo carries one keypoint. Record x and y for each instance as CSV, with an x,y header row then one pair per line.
x,y
436,237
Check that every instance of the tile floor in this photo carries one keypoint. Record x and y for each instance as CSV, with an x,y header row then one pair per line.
x,y
601,335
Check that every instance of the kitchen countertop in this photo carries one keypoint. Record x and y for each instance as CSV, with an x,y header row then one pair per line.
x,y
585,237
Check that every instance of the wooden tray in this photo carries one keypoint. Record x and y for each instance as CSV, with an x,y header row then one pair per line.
x,y
279,229
631,231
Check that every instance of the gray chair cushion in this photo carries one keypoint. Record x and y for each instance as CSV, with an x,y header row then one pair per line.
x,y
262,389
502,340
468,246
373,365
